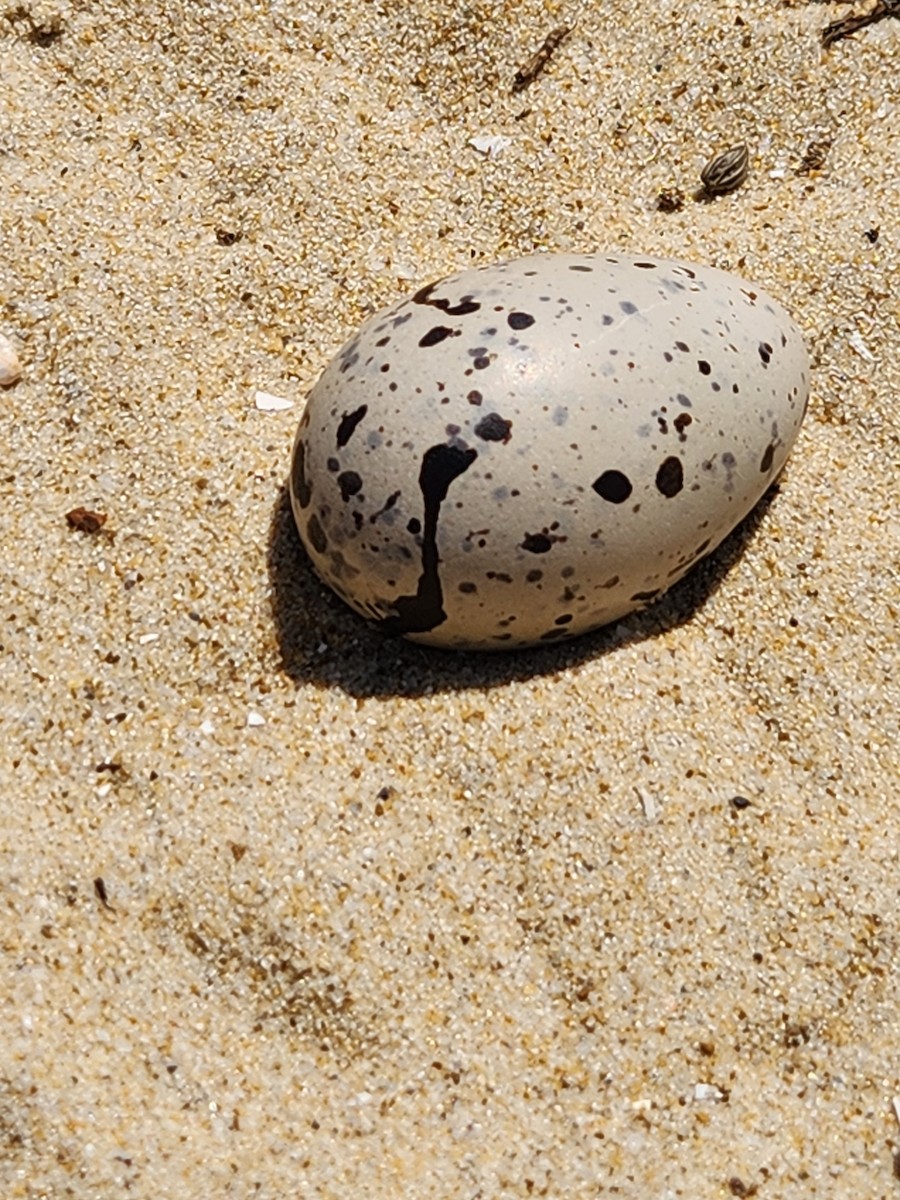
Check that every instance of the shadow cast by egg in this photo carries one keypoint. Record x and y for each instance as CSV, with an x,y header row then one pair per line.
x,y
323,642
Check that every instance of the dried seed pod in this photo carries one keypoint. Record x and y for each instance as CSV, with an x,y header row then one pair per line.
x,y
726,171
10,368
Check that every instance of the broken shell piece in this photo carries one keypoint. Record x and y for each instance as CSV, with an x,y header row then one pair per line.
x,y
10,367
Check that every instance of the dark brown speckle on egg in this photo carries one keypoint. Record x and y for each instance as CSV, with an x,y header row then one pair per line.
x,y
494,428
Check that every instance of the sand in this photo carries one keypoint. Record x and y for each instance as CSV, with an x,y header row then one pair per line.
x,y
290,910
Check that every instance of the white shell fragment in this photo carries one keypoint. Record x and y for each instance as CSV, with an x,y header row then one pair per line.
x,y
10,367
490,144
269,402
856,341
522,452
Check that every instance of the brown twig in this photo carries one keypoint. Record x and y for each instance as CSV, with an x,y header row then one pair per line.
x,y
540,58
847,25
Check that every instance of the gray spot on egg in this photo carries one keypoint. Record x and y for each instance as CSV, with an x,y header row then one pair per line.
x,y
520,489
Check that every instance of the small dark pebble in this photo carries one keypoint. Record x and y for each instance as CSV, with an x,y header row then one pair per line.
x,y
737,1187
384,796
872,235
227,237
740,802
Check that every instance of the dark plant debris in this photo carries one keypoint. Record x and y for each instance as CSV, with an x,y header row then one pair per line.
x,y
814,157
670,200
838,30
83,520
40,33
540,58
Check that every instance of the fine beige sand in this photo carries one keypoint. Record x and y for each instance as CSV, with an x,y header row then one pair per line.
x,y
289,910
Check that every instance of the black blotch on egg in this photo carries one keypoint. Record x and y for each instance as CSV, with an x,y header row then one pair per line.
x,y
670,477
435,336
462,308
424,609
299,483
537,543
316,534
348,423
350,483
613,486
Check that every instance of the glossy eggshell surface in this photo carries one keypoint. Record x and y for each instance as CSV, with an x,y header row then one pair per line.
x,y
522,452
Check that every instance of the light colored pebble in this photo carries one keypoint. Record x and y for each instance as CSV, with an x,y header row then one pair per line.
x,y
856,341
10,367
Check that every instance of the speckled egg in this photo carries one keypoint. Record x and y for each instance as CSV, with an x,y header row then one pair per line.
x,y
522,452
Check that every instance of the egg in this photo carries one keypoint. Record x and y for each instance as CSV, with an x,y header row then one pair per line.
x,y
522,452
